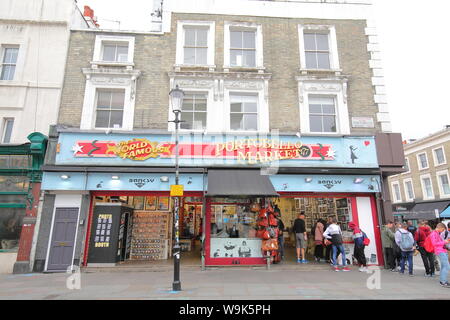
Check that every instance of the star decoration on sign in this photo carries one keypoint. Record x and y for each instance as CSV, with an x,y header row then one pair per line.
x,y
331,153
77,148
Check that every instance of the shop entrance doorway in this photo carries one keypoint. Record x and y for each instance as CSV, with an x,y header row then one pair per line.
x,y
315,208
136,229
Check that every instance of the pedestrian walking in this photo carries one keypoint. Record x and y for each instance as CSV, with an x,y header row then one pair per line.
x,y
318,239
358,253
301,238
441,251
388,241
406,243
422,233
397,251
334,234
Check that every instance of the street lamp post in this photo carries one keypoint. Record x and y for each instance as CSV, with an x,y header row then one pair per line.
x,y
176,96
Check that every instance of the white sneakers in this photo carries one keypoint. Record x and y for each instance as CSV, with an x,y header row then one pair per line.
x,y
363,269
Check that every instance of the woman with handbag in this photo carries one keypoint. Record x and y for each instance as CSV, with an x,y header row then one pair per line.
x,y
334,234
358,238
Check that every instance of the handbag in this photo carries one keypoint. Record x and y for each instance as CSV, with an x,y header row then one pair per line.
x,y
269,245
272,220
264,222
255,207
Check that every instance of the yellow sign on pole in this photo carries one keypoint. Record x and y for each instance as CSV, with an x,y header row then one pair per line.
x,y
176,190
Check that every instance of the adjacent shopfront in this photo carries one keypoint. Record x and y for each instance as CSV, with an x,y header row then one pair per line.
x,y
123,210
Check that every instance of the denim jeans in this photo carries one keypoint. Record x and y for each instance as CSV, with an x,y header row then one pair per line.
x,y
341,249
406,255
443,257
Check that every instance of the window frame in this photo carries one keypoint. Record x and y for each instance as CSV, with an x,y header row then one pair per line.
x,y
96,108
407,198
330,30
240,26
394,194
424,193
440,185
181,36
419,162
435,159
409,166
336,113
231,93
101,40
4,48
198,92
4,128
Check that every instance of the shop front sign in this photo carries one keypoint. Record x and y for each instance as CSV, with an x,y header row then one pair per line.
x,y
215,150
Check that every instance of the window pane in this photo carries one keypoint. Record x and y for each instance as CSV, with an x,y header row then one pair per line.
x,y
8,130
328,109
397,192
109,53
329,124
188,103
200,104
118,98
251,107
199,120
315,123
201,55
423,161
323,60
236,120
11,55
311,60
310,41
315,108
236,107
236,57
439,156
186,116
251,122
122,53
249,40
116,119
322,42
202,38
249,58
445,184
409,190
236,39
8,72
102,119
189,55
104,99
407,165
189,37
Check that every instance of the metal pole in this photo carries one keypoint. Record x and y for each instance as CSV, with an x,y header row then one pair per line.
x,y
176,286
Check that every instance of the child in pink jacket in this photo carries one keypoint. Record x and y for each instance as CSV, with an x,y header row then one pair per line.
x,y
441,252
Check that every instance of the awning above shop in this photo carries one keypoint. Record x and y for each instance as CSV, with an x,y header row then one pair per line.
x,y
446,213
426,210
239,183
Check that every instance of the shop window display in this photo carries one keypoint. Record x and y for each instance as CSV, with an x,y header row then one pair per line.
x,y
233,230
10,228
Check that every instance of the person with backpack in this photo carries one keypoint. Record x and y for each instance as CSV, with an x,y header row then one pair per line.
x,y
434,242
334,234
405,240
446,235
317,232
427,257
361,240
411,227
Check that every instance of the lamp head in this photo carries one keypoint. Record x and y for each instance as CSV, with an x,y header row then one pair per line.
x,y
176,96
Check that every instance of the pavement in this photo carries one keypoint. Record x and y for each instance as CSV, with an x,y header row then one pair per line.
x,y
313,281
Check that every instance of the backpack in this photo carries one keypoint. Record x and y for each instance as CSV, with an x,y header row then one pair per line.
x,y
428,245
406,243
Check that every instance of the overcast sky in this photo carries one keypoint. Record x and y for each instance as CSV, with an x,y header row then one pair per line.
x,y
415,44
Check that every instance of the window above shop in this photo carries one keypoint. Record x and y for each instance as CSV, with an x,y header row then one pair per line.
x,y
422,160
8,124
195,44
109,108
113,51
439,156
9,62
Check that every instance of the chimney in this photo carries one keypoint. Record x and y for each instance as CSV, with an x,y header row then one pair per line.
x,y
90,18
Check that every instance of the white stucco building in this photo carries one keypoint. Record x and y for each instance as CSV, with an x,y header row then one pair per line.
x,y
34,38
